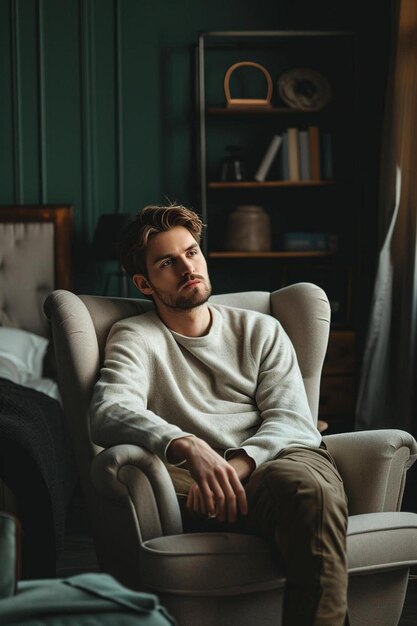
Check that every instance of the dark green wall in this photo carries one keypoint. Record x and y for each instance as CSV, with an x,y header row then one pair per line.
x,y
97,100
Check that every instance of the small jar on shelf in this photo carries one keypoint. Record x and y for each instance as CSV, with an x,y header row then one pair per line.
x,y
233,167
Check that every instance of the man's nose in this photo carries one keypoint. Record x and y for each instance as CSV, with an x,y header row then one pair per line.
x,y
187,266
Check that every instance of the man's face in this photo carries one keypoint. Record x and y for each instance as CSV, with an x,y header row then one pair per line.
x,y
177,271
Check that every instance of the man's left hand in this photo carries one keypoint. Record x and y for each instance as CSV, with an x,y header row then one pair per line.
x,y
243,465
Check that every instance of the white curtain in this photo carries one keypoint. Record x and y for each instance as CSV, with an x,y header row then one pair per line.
x,y
386,396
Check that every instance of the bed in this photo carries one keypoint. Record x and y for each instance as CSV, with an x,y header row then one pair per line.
x,y
36,469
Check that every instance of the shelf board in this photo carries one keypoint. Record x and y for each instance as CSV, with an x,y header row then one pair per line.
x,y
271,254
268,183
251,34
255,110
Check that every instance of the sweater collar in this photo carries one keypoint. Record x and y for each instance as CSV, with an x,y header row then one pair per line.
x,y
209,338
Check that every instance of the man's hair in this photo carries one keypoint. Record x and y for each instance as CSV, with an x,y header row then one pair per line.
x,y
148,222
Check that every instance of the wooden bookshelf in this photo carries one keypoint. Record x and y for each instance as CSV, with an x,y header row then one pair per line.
x,y
326,201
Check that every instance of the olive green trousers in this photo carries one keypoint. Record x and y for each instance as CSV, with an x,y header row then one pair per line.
x,y
296,501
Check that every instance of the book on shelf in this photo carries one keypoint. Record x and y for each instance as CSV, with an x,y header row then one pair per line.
x,y
269,156
318,241
327,156
293,154
304,148
284,169
315,164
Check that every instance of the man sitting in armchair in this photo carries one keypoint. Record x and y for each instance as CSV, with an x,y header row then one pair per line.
x,y
216,392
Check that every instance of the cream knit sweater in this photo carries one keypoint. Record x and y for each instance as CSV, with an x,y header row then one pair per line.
x,y
238,387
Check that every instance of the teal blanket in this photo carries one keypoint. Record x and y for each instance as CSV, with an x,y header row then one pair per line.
x,y
83,600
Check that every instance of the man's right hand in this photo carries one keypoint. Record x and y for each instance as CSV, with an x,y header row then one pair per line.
x,y
221,493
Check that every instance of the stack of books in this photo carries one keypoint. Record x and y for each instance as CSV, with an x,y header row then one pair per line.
x,y
305,155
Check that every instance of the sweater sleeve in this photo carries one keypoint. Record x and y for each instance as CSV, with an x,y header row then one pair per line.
x,y
286,419
118,410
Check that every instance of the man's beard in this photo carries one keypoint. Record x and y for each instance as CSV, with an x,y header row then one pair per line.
x,y
188,301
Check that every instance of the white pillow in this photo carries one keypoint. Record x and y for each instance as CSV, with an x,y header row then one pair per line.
x,y
24,349
9,371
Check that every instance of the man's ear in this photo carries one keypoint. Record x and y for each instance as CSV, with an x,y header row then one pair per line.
x,y
142,284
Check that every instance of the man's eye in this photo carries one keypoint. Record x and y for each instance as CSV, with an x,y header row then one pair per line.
x,y
166,263
193,252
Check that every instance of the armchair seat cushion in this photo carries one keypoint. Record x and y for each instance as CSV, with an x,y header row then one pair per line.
x,y
381,541
210,564
229,563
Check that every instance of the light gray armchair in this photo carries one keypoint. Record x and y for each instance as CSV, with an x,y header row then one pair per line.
x,y
224,578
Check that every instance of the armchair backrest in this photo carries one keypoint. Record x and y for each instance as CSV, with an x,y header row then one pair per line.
x,y
80,326
304,311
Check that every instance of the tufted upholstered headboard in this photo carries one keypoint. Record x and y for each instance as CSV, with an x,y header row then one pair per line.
x,y
35,258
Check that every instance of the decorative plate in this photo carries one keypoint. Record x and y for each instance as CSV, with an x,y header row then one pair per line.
x,y
304,89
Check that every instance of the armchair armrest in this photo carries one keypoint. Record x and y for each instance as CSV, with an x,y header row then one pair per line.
x,y
129,472
373,465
